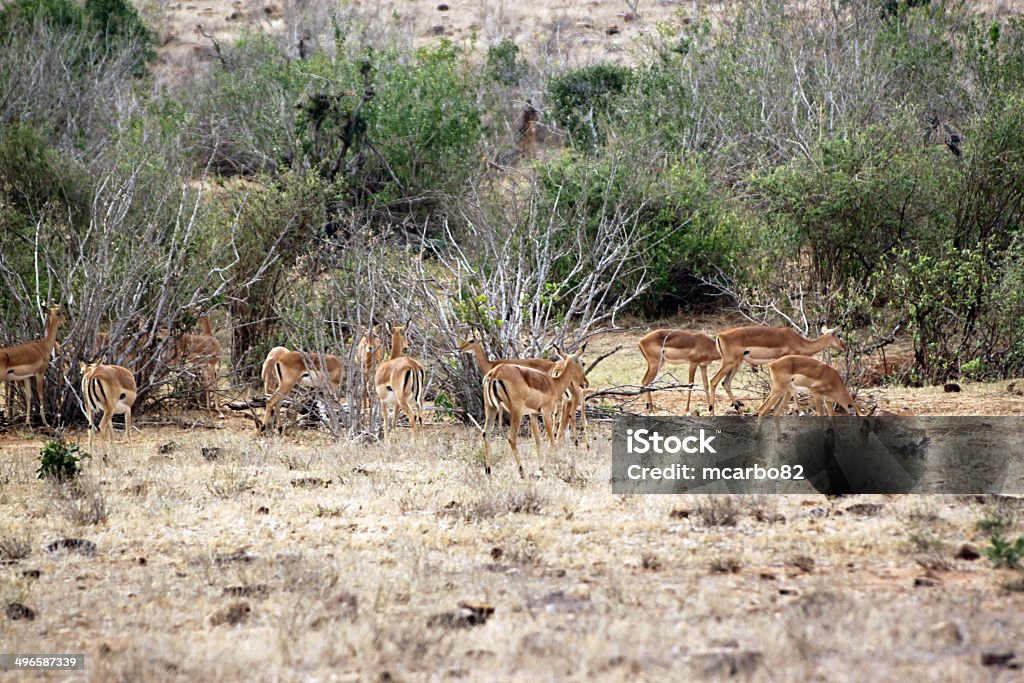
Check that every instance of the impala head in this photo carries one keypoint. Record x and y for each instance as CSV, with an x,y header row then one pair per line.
x,y
571,365
56,314
88,368
832,336
399,342
470,342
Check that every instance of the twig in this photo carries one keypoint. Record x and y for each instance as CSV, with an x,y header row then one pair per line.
x,y
601,358
618,390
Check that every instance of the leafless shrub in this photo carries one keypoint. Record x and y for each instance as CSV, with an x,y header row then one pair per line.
x,y
718,510
15,544
725,564
228,482
495,503
81,501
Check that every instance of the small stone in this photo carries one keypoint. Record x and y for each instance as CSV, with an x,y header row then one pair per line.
x,y
16,611
967,552
234,614
580,591
1001,659
946,633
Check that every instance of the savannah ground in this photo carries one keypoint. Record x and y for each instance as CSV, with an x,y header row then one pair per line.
x,y
223,556
209,553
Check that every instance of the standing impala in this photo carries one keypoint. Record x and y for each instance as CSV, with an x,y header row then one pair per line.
x,y
400,384
370,351
574,394
23,362
676,347
758,345
283,369
202,351
524,391
789,373
111,390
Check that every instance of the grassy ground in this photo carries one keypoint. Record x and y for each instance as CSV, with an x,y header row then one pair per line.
x,y
299,558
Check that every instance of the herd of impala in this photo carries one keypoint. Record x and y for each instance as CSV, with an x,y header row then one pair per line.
x,y
554,390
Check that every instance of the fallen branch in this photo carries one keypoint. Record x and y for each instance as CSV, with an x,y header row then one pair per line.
x,y
621,390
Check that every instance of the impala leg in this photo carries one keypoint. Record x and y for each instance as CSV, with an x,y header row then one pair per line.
x,y
652,372
488,419
515,422
722,372
689,392
27,383
727,385
128,426
704,378
535,430
407,409
582,403
88,417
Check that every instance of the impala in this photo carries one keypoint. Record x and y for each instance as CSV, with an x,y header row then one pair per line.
x,y
370,352
790,373
671,347
269,371
758,345
202,351
525,391
574,394
23,362
399,382
289,368
111,390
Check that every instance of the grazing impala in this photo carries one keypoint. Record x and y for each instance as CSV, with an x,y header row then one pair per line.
x,y
524,391
574,394
671,347
24,362
758,345
400,384
284,369
789,373
111,390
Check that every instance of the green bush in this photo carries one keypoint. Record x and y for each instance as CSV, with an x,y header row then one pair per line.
x,y
582,100
690,232
378,127
504,65
59,461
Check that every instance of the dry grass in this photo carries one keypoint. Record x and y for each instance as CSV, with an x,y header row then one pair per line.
x,y
229,570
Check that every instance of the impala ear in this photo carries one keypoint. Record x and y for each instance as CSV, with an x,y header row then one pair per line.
x,y
579,352
826,330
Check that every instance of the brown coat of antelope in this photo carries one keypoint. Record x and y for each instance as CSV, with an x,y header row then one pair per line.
x,y
524,391
26,361
111,390
202,351
759,345
400,384
370,351
789,373
575,392
283,369
675,347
